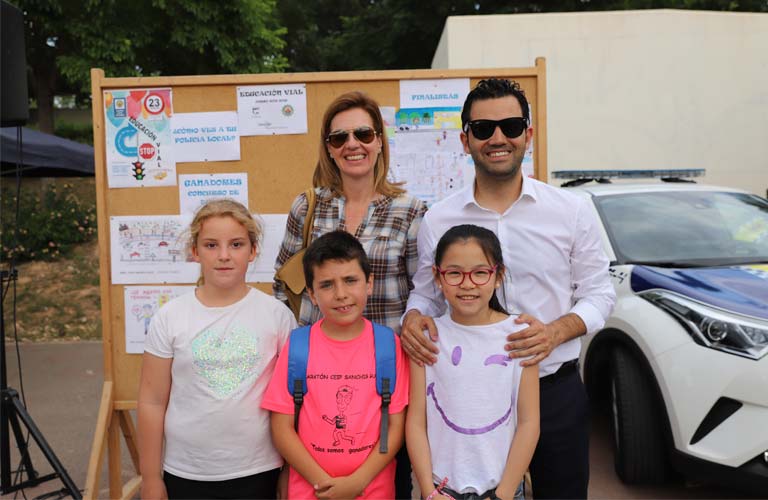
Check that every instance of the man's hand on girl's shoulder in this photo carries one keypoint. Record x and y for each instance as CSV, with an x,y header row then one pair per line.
x,y
535,342
417,346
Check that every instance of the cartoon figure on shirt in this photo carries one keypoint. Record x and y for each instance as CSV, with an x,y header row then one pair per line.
x,y
339,422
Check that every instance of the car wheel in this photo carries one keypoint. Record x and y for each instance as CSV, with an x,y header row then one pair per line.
x,y
639,450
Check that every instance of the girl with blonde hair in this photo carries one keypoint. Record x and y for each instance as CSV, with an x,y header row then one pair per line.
x,y
208,358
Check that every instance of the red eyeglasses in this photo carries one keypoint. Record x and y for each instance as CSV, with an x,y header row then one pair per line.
x,y
478,277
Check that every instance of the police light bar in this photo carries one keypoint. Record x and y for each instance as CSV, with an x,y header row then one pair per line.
x,y
668,173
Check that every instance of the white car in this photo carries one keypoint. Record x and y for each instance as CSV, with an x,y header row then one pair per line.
x,y
682,364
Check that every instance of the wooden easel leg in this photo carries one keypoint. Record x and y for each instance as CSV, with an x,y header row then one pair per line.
x,y
99,443
129,433
115,460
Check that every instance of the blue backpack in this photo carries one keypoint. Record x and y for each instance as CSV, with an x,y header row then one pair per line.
x,y
384,346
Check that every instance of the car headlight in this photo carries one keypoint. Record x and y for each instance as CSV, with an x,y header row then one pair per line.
x,y
715,328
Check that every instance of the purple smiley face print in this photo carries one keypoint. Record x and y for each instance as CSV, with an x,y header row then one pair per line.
x,y
493,359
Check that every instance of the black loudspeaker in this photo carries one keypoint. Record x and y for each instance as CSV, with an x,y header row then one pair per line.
x,y
14,108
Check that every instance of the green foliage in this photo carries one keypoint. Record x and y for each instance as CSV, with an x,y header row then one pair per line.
x,y
51,221
79,132
66,38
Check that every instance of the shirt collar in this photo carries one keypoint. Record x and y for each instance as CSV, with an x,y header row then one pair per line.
x,y
529,188
467,197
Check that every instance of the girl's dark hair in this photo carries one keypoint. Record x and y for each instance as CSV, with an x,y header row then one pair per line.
x,y
489,244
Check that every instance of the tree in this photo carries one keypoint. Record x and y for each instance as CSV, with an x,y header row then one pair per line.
x,y
66,38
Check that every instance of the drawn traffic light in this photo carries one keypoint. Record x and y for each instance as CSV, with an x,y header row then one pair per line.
x,y
138,170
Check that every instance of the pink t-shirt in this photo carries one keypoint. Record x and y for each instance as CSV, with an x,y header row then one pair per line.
x,y
340,417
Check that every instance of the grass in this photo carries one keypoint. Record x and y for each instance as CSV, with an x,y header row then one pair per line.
x,y
57,300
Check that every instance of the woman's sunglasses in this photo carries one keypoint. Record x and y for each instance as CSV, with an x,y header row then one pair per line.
x,y
484,129
338,138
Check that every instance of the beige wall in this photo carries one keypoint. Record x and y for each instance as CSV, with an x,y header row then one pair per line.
x,y
638,89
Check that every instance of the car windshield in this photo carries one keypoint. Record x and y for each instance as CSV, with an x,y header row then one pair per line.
x,y
686,228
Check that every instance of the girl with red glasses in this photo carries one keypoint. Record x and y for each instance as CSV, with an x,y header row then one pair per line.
x,y
473,420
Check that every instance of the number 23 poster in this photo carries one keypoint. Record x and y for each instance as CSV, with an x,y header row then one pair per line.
x,y
138,138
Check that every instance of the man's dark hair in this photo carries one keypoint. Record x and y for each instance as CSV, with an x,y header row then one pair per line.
x,y
494,88
336,245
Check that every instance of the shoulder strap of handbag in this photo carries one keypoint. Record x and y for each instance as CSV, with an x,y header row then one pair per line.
x,y
309,220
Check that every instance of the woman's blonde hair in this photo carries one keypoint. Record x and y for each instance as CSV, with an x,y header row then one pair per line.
x,y
327,172
224,208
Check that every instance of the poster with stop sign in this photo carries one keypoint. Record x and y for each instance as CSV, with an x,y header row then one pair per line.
x,y
139,144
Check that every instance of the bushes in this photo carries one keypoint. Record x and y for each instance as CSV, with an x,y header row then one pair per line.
x,y
51,220
80,132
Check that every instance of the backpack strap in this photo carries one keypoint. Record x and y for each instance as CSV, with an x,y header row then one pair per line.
x,y
386,377
298,355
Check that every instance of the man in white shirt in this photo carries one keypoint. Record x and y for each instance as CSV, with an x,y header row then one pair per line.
x,y
557,277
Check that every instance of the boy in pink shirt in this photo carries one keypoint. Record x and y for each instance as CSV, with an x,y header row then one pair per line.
x,y
336,451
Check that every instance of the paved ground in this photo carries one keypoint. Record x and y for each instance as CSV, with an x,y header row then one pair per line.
x,y
63,387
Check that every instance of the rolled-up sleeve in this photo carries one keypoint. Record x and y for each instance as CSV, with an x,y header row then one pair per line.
x,y
594,295
425,297
411,242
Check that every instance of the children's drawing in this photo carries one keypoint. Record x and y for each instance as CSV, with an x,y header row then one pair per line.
x,y
141,304
431,162
151,249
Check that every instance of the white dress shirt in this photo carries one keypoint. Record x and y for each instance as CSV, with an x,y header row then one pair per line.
x,y
552,250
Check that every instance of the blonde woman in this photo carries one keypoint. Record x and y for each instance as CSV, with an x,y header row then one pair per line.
x,y
353,194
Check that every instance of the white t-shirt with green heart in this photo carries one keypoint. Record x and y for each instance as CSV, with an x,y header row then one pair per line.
x,y
223,359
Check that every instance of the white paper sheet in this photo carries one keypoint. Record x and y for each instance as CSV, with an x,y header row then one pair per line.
x,y
151,249
205,136
262,269
196,190
446,92
141,304
432,163
138,138
272,109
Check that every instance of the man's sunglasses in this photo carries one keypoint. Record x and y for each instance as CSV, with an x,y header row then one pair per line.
x,y
338,138
484,129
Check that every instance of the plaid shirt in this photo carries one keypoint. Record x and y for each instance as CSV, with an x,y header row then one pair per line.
x,y
388,235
